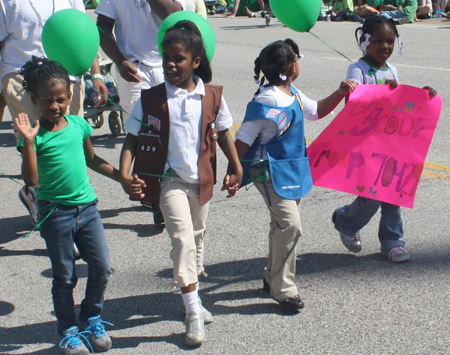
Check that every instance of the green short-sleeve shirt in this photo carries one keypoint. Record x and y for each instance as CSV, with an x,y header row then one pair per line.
x,y
344,4
61,164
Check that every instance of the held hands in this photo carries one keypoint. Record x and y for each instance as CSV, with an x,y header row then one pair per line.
x,y
346,86
28,132
133,186
129,72
231,183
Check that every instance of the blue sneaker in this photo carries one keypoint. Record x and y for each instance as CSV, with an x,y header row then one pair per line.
x,y
98,338
71,344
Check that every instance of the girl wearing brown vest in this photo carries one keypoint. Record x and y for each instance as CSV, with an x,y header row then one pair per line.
x,y
172,138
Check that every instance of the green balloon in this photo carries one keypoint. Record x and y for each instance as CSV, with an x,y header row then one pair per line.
x,y
209,39
298,15
71,38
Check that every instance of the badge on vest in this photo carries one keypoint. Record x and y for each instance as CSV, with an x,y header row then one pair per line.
x,y
213,128
153,121
148,148
283,123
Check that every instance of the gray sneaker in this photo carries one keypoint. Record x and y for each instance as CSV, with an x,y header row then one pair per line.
x,y
71,344
195,329
352,242
206,314
98,338
267,17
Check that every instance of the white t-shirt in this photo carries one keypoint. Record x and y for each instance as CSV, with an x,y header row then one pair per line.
x,y
21,30
136,29
185,127
359,72
266,130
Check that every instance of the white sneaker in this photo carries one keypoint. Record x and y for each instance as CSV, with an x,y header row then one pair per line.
x,y
398,255
27,195
195,329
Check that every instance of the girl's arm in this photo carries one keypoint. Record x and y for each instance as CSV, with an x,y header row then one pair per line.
x,y
29,164
233,179
98,164
325,106
132,185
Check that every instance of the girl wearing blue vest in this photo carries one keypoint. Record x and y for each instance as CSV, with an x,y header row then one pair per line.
x,y
172,139
271,146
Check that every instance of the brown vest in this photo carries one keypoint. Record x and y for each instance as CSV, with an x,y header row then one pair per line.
x,y
153,141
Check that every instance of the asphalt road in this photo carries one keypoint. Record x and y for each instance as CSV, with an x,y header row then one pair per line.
x,y
355,304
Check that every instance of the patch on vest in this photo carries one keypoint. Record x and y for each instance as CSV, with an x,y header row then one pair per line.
x,y
148,148
153,121
272,113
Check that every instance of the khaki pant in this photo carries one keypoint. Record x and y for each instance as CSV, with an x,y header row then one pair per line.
x,y
185,220
18,100
285,230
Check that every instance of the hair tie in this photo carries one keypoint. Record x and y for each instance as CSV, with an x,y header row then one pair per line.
x,y
363,46
300,56
257,82
282,77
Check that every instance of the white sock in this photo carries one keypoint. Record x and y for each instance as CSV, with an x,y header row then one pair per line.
x,y
191,302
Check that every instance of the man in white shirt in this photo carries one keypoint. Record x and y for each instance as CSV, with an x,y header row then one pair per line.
x,y
134,49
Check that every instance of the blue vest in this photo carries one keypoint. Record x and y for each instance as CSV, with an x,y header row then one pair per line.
x,y
288,160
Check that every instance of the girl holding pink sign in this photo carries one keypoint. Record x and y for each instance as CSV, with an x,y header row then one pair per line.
x,y
376,40
271,145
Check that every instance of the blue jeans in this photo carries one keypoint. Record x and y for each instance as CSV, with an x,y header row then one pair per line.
x,y
350,219
81,225
397,14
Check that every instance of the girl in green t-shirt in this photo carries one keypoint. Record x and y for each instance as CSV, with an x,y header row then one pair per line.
x,y
55,154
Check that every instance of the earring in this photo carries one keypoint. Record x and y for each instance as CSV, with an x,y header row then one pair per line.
x,y
282,77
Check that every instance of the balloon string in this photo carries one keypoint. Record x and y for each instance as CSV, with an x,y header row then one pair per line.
x,y
330,46
11,178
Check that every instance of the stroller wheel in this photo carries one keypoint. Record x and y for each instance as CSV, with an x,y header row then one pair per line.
x,y
115,123
98,121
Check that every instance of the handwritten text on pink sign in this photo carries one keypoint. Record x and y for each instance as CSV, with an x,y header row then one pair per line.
x,y
376,146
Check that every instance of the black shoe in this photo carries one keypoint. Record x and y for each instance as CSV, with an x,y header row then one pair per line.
x,y
266,285
292,303
158,217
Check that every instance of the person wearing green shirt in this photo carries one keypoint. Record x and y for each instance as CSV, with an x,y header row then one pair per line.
x,y
404,13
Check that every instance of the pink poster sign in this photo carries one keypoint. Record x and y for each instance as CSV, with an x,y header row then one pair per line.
x,y
376,146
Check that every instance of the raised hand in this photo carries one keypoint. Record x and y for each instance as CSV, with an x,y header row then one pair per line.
x,y
24,127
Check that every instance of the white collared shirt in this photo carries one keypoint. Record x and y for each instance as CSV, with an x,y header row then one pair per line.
x,y
185,111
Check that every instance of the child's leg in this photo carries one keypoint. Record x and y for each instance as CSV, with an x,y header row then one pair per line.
x,y
199,215
391,227
91,241
285,230
179,202
175,202
350,219
57,231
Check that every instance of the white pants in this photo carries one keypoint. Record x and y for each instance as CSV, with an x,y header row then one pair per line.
x,y
129,93
185,220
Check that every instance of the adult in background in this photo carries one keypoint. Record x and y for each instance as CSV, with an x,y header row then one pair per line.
x,y
133,45
134,50
21,24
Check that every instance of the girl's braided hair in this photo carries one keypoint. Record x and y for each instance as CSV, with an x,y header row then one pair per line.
x,y
275,59
187,32
370,23
39,70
